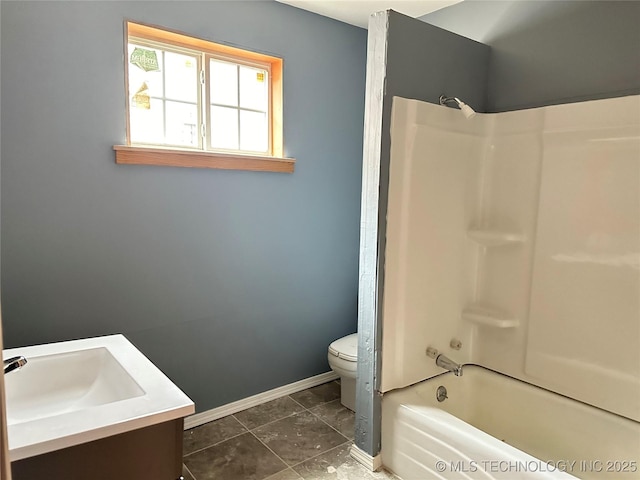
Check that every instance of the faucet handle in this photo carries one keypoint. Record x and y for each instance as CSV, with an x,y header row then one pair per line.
x,y
432,352
14,363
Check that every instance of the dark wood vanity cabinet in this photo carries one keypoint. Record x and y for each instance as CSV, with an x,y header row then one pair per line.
x,y
149,453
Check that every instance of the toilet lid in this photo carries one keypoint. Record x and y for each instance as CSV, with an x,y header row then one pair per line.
x,y
346,348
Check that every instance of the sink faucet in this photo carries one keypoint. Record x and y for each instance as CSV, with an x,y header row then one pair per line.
x,y
450,365
14,363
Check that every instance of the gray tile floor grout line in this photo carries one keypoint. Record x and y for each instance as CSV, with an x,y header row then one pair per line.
x,y
288,468
323,421
278,456
308,409
268,448
187,469
236,419
214,444
251,430
231,438
298,402
336,430
327,403
291,415
315,456
248,430
235,436
331,426
268,423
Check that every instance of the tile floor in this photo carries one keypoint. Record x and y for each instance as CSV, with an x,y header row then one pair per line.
x,y
306,435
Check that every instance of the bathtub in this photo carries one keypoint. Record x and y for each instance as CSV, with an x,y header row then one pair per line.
x,y
493,426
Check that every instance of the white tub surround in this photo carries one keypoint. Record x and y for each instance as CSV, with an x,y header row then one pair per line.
x,y
75,392
488,422
513,242
518,235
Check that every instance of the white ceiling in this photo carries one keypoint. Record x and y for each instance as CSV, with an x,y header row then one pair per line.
x,y
357,12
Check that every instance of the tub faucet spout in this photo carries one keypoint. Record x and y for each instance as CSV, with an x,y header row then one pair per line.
x,y
14,363
449,364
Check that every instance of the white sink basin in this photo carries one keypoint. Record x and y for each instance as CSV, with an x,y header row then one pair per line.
x,y
79,391
56,384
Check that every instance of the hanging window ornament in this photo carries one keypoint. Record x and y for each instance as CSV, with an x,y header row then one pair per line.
x,y
145,59
141,99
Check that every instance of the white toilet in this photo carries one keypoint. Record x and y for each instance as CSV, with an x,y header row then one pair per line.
x,y
343,359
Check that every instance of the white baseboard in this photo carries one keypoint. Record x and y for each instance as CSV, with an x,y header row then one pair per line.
x,y
235,407
369,462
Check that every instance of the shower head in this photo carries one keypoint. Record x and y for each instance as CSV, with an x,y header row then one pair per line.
x,y
466,109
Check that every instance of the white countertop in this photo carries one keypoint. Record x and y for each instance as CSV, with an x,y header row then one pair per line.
x,y
158,400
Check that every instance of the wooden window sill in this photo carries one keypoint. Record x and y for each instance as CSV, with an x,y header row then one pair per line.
x,y
176,157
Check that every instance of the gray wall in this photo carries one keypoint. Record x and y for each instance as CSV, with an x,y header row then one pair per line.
x,y
422,62
550,52
232,282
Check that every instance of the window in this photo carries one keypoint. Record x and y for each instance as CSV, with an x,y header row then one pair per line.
x,y
195,103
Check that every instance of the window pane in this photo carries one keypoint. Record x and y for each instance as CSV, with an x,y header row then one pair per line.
x,y
182,124
224,128
147,125
181,77
253,88
142,71
253,131
224,83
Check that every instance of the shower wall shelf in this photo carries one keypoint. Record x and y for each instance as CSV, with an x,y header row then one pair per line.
x,y
487,316
494,238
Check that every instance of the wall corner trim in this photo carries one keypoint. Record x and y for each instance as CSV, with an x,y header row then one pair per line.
x,y
370,463
234,407
368,406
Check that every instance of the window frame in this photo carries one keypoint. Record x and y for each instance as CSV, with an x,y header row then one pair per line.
x,y
203,156
207,99
142,42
